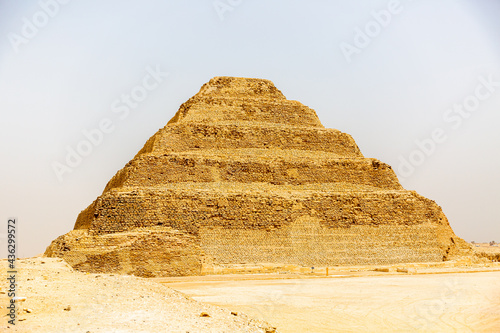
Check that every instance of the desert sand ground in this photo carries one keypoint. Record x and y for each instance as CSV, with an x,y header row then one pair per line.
x,y
62,300
452,302
464,297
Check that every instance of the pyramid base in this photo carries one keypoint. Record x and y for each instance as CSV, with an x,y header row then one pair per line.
x,y
161,252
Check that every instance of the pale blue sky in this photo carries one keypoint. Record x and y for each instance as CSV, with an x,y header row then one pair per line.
x,y
395,90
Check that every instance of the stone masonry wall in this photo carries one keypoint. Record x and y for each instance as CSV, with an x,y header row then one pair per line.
x,y
307,242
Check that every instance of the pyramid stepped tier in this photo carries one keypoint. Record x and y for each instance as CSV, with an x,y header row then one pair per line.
x,y
241,175
253,165
208,110
197,136
238,206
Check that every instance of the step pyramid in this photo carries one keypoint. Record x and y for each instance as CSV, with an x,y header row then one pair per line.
x,y
242,176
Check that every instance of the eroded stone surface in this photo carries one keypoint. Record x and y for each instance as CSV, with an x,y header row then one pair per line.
x,y
242,175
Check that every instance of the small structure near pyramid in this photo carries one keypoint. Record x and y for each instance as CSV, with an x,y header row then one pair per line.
x,y
241,175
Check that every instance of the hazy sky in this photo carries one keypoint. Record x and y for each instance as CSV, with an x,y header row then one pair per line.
x,y
416,83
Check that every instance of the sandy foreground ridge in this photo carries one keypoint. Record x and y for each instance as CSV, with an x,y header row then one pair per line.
x,y
60,299
455,296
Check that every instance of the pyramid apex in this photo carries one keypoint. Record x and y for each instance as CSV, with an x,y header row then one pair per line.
x,y
228,86
236,99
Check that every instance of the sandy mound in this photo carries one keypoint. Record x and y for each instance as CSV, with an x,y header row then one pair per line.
x,y
62,300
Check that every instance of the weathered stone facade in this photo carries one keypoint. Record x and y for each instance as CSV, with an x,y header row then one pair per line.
x,y
241,175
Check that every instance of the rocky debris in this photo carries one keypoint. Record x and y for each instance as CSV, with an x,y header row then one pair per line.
x,y
408,270
383,269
